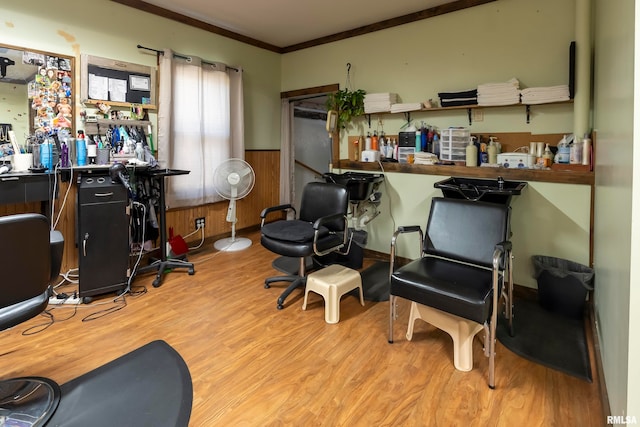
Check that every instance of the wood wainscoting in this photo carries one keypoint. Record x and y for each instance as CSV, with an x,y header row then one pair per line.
x,y
265,163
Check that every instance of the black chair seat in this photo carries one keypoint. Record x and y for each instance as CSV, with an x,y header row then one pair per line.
x,y
293,230
455,288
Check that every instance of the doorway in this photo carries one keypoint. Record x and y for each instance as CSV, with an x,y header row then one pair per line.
x,y
311,143
306,149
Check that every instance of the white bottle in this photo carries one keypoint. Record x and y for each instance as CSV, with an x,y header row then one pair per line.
x,y
586,150
492,151
575,153
472,154
139,151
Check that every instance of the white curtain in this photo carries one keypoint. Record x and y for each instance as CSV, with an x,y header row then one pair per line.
x,y
286,153
200,124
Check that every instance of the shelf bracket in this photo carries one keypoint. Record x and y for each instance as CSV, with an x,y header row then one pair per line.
x,y
368,119
470,114
528,109
407,116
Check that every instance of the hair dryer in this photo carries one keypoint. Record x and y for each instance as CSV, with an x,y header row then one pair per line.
x,y
117,172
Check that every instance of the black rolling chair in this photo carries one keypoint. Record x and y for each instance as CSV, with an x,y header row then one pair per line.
x,y
148,386
464,269
321,228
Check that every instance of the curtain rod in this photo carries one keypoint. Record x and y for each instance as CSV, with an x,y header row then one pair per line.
x,y
177,55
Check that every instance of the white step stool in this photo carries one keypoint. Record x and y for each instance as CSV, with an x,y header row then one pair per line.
x,y
332,282
461,331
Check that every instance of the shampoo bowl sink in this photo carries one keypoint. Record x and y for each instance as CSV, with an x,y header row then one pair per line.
x,y
360,185
486,190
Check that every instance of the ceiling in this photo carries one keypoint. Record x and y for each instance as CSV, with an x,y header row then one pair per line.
x,y
280,24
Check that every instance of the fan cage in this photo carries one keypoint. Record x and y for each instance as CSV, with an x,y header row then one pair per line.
x,y
244,186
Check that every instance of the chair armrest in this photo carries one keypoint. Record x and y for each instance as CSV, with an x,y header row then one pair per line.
x,y
499,252
326,219
329,218
278,208
403,230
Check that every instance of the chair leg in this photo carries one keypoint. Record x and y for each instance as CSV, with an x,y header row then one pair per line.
x,y
300,281
269,280
392,314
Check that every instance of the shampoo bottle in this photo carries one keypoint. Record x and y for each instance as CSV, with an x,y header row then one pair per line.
x,y
418,141
472,153
492,150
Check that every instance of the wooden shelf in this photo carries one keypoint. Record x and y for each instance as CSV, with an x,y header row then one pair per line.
x,y
118,104
470,108
554,175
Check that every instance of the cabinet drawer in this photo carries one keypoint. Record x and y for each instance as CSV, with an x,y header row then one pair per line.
x,y
12,189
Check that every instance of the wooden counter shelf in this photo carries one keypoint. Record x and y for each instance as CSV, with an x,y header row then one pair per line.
x,y
554,175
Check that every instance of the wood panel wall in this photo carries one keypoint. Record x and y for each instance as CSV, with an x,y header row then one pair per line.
x,y
266,165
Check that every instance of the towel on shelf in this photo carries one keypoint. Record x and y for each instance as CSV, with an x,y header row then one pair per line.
x,y
422,158
407,106
456,99
379,102
505,93
541,95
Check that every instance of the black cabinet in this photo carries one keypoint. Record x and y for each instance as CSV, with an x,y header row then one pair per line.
x,y
102,235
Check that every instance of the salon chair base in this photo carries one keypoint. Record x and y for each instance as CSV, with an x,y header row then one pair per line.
x,y
462,331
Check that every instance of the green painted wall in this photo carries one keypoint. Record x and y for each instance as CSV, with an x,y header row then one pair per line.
x,y
484,44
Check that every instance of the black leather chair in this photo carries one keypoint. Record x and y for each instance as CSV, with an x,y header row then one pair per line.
x,y
148,386
321,228
464,268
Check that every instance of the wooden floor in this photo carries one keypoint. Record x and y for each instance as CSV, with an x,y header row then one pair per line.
x,y
254,365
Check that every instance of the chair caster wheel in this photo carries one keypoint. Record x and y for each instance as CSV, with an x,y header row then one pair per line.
x,y
191,272
87,300
267,286
280,306
156,283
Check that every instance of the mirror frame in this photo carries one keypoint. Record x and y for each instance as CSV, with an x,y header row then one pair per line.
x,y
51,95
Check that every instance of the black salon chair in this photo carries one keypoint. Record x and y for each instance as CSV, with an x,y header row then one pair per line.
x,y
320,229
464,268
148,386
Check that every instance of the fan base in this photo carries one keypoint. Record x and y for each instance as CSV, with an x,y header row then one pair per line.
x,y
231,245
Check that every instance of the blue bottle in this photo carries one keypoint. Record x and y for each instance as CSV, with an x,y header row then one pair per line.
x,y
46,155
81,150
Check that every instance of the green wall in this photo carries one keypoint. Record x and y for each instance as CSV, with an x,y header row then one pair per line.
x,y
617,211
490,43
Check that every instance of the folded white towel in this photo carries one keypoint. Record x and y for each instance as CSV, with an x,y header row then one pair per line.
x,y
407,106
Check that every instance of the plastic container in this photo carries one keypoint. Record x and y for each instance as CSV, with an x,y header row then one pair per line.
x,y
562,284
453,144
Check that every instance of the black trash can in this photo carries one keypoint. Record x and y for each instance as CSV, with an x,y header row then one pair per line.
x,y
562,284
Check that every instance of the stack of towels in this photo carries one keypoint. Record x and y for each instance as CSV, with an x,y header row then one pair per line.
x,y
422,158
379,102
404,107
507,93
541,95
456,99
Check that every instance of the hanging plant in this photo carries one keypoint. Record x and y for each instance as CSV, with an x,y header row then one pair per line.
x,y
348,104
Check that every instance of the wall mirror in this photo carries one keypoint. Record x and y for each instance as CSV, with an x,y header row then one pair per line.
x,y
37,92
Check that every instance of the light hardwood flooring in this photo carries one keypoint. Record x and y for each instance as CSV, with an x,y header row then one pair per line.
x,y
254,365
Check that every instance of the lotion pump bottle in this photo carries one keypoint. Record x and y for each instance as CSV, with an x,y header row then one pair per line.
x,y
472,153
492,150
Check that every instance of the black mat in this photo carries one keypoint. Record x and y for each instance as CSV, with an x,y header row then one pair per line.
x,y
375,282
553,340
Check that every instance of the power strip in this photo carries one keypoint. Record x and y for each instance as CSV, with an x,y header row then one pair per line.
x,y
65,301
